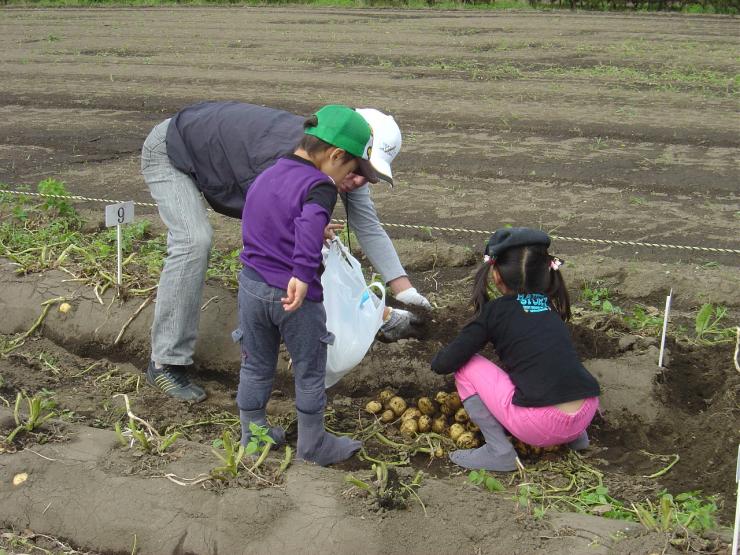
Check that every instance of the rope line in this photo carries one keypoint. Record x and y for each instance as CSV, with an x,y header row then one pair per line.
x,y
438,228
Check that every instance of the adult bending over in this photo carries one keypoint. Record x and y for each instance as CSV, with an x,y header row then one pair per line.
x,y
214,150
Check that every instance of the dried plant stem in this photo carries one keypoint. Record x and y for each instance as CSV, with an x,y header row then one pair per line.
x,y
662,471
202,308
131,415
46,305
200,478
132,318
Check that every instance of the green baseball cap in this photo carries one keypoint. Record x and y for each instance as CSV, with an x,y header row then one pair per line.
x,y
344,128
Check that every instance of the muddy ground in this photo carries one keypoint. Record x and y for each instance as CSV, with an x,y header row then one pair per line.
x,y
594,126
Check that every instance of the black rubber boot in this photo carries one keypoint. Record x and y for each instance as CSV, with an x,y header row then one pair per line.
x,y
259,417
317,445
497,453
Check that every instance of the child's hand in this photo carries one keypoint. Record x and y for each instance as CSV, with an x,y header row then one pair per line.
x,y
331,229
296,293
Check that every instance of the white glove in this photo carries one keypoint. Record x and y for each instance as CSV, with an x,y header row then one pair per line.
x,y
412,297
400,324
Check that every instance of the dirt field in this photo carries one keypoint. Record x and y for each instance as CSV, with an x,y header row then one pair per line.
x,y
591,126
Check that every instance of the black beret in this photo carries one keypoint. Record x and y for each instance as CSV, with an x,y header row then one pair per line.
x,y
510,237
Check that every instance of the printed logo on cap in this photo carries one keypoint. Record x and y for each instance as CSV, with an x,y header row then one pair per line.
x,y
388,149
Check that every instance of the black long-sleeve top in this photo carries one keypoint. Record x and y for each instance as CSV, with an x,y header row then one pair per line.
x,y
534,346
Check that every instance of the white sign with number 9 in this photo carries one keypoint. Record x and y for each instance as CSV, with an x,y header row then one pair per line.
x,y
118,214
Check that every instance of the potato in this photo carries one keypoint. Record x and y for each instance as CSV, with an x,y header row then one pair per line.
x,y
409,428
387,416
472,427
461,416
65,307
476,441
385,396
456,430
441,397
444,408
397,405
411,412
526,450
453,402
425,423
439,452
374,407
521,448
439,425
466,440
426,406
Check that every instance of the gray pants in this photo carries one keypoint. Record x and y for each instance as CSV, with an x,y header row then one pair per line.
x,y
262,323
189,235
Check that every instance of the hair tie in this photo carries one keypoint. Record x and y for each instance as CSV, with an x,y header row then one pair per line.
x,y
555,263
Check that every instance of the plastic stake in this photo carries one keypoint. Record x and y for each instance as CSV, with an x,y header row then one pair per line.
x,y
665,327
736,533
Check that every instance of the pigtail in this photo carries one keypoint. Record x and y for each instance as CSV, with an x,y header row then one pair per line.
x,y
480,289
558,293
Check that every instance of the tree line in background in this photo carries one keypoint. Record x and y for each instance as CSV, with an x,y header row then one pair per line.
x,y
698,6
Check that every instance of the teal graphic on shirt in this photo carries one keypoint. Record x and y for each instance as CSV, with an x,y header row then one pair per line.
x,y
533,302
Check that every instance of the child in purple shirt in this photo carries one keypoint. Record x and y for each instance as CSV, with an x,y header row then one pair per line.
x,y
286,211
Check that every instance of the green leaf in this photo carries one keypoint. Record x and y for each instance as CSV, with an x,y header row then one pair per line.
x,y
666,511
702,318
252,448
493,484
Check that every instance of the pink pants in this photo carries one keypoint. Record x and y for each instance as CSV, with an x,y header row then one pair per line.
x,y
538,426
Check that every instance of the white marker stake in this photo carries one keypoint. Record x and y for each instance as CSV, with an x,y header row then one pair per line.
x,y
737,505
116,215
665,327
119,255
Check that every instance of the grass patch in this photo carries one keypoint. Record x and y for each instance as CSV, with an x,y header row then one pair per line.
x,y
661,79
572,485
38,235
665,79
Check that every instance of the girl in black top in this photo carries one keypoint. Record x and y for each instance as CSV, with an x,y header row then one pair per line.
x,y
542,394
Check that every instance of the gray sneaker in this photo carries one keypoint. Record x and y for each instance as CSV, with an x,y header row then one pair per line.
x,y
174,382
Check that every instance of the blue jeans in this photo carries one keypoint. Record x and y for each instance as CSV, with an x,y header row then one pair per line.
x,y
189,237
262,323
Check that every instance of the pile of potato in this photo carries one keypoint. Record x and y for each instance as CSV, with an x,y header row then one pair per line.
x,y
443,415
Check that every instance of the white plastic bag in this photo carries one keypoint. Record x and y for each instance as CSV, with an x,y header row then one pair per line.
x,y
354,313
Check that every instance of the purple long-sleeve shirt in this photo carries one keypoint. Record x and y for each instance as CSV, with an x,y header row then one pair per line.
x,y
285,213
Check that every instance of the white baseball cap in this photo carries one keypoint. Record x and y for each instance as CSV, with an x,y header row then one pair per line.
x,y
386,141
